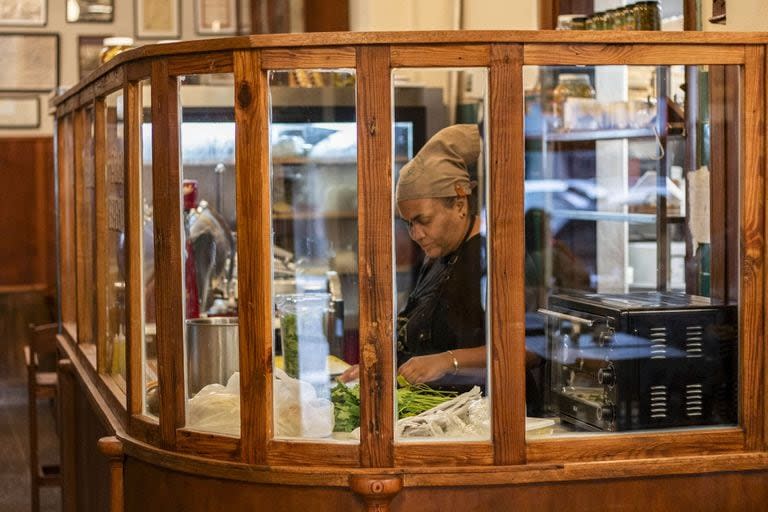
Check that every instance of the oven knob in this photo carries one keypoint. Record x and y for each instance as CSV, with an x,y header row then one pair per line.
x,y
606,413
606,377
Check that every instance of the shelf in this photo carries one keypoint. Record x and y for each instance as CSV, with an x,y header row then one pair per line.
x,y
588,135
634,218
310,215
303,160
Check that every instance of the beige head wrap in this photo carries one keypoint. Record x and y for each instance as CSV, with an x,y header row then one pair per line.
x,y
440,168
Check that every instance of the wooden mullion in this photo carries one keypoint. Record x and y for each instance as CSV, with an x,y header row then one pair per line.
x,y
429,454
168,250
548,10
134,221
84,250
100,205
254,247
374,181
308,58
563,54
733,113
66,227
145,429
308,453
629,445
440,56
752,301
199,64
506,148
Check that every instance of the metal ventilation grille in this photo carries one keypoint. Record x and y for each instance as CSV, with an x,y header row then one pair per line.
x,y
658,342
658,402
694,400
694,341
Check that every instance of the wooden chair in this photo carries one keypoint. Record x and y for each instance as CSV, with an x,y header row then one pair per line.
x,y
40,385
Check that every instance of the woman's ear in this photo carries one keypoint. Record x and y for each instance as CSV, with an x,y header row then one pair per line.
x,y
462,204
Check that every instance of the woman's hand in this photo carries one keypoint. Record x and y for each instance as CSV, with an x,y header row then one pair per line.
x,y
351,373
429,368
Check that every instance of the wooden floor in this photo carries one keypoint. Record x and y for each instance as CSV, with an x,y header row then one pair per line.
x,y
16,311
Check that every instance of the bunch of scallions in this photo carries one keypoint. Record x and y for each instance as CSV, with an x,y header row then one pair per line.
x,y
412,399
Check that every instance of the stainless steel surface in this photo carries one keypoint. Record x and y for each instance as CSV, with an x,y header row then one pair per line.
x,y
212,351
564,316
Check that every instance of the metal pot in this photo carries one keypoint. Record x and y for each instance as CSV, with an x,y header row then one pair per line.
x,y
212,352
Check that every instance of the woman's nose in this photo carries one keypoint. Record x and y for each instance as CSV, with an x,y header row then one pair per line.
x,y
416,232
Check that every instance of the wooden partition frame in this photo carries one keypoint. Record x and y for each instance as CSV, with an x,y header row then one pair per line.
x,y
65,187
373,57
749,434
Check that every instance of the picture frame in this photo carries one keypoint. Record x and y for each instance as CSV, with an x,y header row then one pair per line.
x,y
90,11
89,53
34,56
157,19
216,17
23,13
19,111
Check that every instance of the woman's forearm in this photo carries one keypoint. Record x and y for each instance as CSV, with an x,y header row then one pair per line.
x,y
475,357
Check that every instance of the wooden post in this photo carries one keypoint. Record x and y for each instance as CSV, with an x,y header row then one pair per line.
x,y
376,491
112,448
67,427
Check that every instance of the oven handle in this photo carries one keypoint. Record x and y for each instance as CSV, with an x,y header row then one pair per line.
x,y
564,316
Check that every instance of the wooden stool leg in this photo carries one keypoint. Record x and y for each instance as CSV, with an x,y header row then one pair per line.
x,y
32,429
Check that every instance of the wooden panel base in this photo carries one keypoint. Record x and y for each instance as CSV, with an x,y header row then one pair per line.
x,y
149,488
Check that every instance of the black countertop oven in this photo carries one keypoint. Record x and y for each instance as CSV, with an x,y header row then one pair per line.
x,y
642,360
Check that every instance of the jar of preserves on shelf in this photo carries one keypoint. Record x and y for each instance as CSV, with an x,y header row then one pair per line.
x,y
113,46
571,22
598,21
569,85
648,15
609,22
628,17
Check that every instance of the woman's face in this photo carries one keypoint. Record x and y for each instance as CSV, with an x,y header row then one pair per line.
x,y
438,229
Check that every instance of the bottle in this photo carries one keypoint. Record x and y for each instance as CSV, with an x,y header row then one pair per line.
x,y
191,295
113,46
569,85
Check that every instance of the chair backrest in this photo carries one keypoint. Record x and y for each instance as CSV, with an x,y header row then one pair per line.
x,y
42,344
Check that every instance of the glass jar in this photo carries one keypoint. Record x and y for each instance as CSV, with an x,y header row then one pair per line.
x,y
569,21
628,17
570,85
648,15
113,46
579,23
610,19
598,21
304,327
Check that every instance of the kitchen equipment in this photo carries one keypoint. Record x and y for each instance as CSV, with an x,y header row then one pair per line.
x,y
641,360
212,351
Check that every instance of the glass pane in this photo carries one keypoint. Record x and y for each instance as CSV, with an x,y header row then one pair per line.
x,y
87,238
115,281
149,345
209,255
314,220
626,330
441,267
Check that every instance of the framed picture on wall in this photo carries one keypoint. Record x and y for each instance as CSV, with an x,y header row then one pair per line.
x,y
34,57
84,11
89,54
24,13
214,17
19,111
157,19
